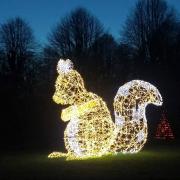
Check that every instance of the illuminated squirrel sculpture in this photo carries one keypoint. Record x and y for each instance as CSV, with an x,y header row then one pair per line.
x,y
90,131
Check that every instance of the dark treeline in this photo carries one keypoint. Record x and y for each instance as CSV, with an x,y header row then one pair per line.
x,y
149,49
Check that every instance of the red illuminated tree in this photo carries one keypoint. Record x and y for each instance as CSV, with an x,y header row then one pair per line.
x,y
164,130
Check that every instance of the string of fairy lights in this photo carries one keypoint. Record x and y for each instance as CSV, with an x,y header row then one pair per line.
x,y
129,108
90,131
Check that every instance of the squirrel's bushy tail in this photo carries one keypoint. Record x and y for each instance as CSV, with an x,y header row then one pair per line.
x,y
130,119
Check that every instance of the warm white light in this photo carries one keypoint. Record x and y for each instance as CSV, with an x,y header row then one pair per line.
x,y
90,131
129,105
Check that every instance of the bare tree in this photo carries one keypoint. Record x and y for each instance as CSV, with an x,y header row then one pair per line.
x,y
74,35
17,48
100,62
146,27
103,51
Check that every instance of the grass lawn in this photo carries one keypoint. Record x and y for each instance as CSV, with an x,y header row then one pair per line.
x,y
159,163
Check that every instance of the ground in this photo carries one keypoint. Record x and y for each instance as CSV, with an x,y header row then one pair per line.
x,y
155,163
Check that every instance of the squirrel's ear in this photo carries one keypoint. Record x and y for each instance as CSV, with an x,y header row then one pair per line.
x,y
64,66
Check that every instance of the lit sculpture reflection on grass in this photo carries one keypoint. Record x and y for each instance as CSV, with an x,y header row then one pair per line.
x,y
90,131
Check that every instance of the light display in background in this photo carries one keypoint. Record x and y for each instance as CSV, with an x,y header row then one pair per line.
x,y
164,130
90,131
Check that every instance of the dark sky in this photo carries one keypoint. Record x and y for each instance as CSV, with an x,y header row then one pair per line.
x,y
43,15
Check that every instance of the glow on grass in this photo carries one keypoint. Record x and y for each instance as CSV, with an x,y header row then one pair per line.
x,y
90,131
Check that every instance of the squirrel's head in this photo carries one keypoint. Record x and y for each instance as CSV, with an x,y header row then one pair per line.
x,y
69,84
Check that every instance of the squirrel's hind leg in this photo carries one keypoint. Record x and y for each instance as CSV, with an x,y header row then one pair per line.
x,y
67,156
57,155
